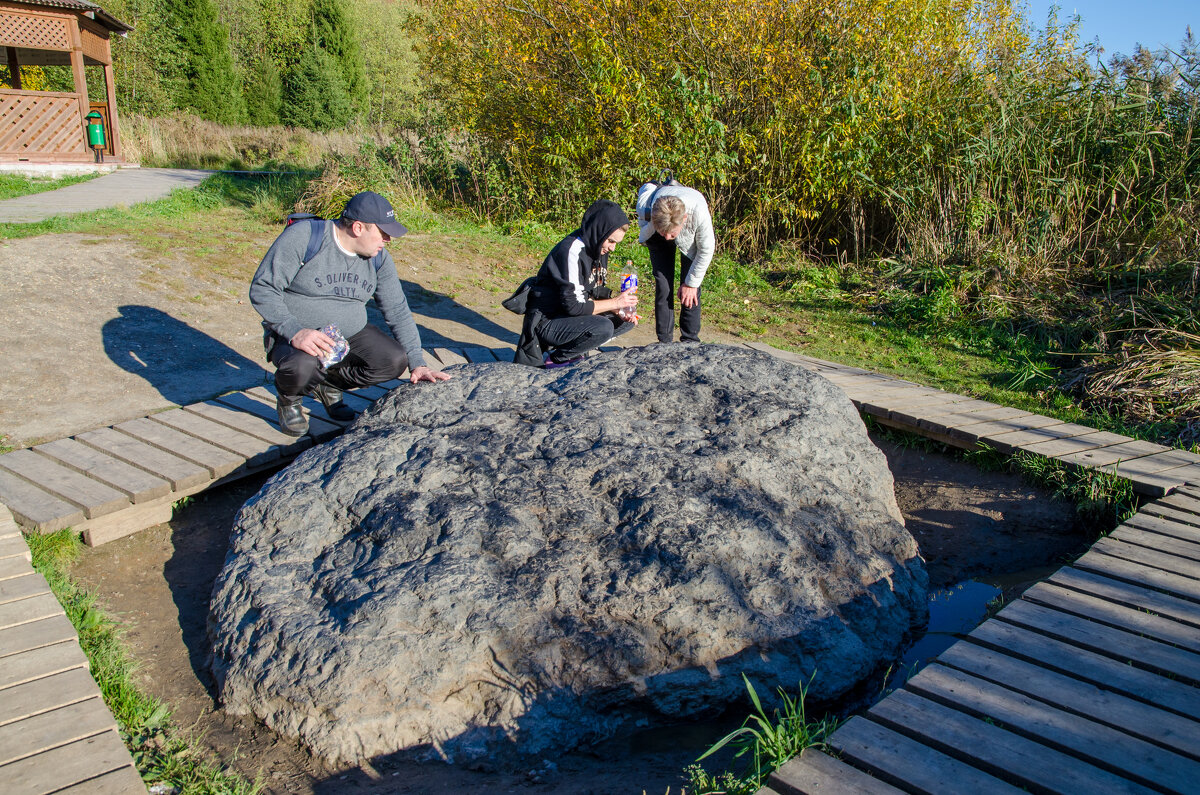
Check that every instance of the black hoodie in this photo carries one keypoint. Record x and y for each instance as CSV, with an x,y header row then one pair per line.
x,y
564,286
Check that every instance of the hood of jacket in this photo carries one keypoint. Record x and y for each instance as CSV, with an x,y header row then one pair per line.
x,y
599,221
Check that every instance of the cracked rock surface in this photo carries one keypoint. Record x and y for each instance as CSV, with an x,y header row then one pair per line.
x,y
518,561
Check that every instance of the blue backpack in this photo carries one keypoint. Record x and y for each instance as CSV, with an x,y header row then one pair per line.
x,y
316,232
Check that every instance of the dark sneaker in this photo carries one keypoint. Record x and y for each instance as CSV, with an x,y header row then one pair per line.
x,y
291,416
331,399
550,364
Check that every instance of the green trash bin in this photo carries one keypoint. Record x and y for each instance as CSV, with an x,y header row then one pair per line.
x,y
95,134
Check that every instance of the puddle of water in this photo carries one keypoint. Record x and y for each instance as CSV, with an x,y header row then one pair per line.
x,y
953,612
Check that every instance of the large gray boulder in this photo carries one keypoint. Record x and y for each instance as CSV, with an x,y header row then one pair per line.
x,y
518,561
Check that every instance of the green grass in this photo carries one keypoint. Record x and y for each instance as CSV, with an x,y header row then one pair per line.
x,y
163,753
14,185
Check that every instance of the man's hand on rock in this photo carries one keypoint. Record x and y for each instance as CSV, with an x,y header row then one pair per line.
x,y
425,374
312,342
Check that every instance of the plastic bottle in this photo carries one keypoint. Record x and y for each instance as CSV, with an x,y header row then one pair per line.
x,y
629,281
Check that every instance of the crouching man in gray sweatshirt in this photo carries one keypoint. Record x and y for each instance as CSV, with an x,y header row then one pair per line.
x,y
322,273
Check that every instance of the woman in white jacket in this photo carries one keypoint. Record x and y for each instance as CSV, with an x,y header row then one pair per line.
x,y
674,218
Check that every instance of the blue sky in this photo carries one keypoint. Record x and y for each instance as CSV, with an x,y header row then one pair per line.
x,y
1121,25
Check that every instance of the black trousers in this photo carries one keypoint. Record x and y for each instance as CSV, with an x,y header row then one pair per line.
x,y
662,263
374,357
567,337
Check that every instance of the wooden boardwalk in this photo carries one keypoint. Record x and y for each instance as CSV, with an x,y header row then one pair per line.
x,y
1103,656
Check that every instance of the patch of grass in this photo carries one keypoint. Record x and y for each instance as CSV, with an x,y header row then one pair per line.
x,y
767,741
14,185
163,753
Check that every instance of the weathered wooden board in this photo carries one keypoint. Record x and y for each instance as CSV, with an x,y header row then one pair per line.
x,y
137,484
1151,464
1102,746
13,567
1011,442
1159,510
180,472
449,357
36,663
254,451
1149,557
1087,666
31,635
815,773
1126,451
1071,445
261,403
981,432
217,461
1164,525
1139,574
1118,644
35,508
92,496
24,611
503,354
252,425
1128,594
1183,501
1136,718
123,781
478,355
994,750
39,733
371,393
13,545
20,588
49,692
901,760
68,764
1131,533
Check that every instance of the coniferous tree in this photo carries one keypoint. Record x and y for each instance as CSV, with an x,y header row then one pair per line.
x,y
314,93
264,93
333,33
211,85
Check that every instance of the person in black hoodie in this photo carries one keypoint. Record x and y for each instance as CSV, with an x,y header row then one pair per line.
x,y
570,311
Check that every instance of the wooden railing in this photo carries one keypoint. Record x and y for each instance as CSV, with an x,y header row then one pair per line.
x,y
41,125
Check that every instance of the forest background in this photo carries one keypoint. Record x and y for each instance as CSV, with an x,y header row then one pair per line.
x,y
944,166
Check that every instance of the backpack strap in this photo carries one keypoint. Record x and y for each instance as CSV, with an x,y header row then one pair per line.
x,y
316,233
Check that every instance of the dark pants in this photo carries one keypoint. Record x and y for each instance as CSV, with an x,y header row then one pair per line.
x,y
662,262
374,357
568,337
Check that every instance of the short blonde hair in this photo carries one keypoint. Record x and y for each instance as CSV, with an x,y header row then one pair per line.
x,y
668,213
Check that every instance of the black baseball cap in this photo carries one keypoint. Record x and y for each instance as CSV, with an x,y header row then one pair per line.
x,y
371,208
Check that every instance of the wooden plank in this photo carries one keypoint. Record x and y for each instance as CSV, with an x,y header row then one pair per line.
x,y
1130,533
24,611
40,733
13,567
503,354
905,762
36,663
371,393
1166,729
1159,484
135,483
261,403
1125,593
1011,442
1126,451
95,498
985,430
1164,525
179,472
815,773
254,451
1079,663
19,588
35,508
14,546
1102,746
1159,560
218,462
123,781
1151,464
449,357
49,692
1120,645
994,750
1159,510
66,765
139,517
1181,501
1139,574
36,634
252,425
1103,611
1071,445
478,355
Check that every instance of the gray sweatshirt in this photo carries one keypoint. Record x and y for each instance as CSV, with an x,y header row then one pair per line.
x,y
332,287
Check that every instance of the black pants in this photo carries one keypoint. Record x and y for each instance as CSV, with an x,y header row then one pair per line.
x,y
374,357
662,262
568,337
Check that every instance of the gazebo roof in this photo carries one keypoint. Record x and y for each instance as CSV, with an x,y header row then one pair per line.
x,y
90,9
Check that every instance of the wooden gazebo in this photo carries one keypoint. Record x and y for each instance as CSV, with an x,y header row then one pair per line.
x,y
49,126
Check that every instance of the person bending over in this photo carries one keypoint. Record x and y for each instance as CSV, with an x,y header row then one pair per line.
x,y
673,218
299,291
570,311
